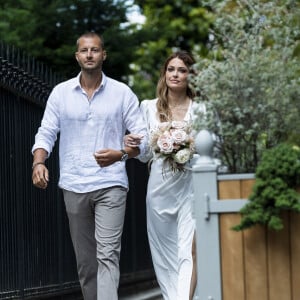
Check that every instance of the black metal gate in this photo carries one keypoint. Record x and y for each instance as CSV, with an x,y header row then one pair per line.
x,y
36,255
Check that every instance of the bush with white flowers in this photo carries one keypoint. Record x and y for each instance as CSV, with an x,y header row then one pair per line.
x,y
251,79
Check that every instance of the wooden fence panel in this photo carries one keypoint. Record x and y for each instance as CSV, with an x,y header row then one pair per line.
x,y
258,263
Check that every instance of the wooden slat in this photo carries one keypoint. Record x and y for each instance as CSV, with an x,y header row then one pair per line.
x,y
231,246
295,254
279,269
231,258
246,187
229,189
255,252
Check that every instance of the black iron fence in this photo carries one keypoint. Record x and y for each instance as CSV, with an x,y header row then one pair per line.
x,y
36,255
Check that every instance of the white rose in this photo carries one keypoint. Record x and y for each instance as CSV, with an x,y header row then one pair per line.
x,y
182,156
179,136
165,144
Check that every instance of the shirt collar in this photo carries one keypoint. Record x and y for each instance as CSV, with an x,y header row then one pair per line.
x,y
76,83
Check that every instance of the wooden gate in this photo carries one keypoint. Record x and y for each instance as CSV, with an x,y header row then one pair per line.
x,y
255,264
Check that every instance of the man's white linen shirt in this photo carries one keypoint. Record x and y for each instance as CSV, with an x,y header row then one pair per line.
x,y
86,126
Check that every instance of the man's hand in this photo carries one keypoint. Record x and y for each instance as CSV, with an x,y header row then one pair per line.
x,y
107,157
40,176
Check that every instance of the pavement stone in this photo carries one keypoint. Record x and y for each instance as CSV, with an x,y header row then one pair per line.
x,y
153,294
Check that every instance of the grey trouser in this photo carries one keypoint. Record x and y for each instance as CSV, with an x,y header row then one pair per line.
x,y
96,223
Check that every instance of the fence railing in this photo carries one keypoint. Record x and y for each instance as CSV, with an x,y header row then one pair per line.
x,y
23,75
36,254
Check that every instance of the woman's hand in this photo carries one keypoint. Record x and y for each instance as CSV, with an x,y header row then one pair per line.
x,y
133,140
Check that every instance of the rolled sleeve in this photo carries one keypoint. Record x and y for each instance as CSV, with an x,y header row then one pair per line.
x,y
47,132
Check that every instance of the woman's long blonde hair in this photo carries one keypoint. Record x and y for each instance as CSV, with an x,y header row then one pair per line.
x,y
162,105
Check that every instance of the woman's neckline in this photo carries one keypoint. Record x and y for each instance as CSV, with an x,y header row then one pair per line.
x,y
185,118
186,113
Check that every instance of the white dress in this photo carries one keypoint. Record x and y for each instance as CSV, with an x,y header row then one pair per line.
x,y
170,222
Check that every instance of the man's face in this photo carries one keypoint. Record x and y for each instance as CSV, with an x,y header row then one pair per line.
x,y
90,54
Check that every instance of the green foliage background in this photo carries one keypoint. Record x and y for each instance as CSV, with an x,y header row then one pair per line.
x,y
47,30
250,80
170,25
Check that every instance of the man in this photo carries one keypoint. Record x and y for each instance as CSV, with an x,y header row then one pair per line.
x,y
91,112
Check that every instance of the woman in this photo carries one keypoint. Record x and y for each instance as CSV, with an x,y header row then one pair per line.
x,y
170,223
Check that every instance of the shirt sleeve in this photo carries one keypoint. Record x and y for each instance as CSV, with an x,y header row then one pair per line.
x,y
47,132
146,154
135,122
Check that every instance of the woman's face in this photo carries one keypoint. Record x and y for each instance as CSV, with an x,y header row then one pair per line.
x,y
177,74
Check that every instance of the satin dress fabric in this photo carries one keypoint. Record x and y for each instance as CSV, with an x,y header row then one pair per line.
x,y
170,221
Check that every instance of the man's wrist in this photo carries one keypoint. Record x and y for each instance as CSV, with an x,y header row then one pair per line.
x,y
124,156
37,163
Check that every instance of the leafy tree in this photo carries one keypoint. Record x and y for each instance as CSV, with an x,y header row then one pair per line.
x,y
48,31
251,79
169,25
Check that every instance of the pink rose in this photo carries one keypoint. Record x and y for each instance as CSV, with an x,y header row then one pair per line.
x,y
165,144
179,136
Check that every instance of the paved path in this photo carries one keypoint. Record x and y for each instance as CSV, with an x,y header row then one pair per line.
x,y
153,294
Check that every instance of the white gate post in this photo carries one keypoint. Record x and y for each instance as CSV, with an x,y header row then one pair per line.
x,y
204,172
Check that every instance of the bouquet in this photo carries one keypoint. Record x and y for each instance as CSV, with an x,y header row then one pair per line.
x,y
173,142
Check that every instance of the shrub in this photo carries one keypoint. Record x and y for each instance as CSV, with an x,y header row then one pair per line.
x,y
274,190
250,82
